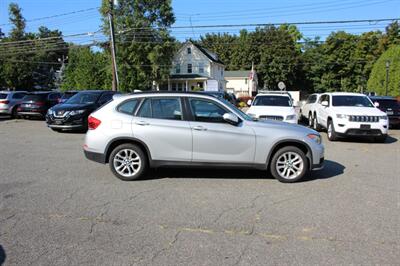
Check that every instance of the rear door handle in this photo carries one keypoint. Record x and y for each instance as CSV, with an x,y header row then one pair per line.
x,y
199,128
142,123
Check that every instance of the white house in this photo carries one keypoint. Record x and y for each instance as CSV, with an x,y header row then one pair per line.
x,y
241,83
196,68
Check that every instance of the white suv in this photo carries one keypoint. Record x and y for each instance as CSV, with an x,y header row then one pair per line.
x,y
273,106
143,130
350,114
308,109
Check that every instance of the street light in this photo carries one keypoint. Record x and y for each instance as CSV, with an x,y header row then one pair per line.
x,y
387,76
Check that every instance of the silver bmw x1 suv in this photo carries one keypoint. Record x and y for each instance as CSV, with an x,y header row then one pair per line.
x,y
154,129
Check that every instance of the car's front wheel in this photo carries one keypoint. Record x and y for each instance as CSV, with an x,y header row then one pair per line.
x,y
289,164
128,162
332,135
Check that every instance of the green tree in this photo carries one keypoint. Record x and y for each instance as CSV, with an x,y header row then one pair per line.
x,y
145,49
86,70
377,79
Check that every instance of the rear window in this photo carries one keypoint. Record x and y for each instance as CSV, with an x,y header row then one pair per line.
x,y
3,95
35,97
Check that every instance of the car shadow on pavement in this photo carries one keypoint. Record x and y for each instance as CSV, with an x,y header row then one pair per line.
x,y
331,169
389,140
2,255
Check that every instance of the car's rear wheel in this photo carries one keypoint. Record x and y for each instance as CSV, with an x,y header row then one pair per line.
x,y
14,113
316,126
128,162
289,164
332,135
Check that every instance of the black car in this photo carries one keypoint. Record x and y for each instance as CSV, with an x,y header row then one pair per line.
x,y
66,95
390,106
36,104
73,114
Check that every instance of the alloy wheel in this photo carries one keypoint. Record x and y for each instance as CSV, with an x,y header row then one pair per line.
x,y
289,165
127,163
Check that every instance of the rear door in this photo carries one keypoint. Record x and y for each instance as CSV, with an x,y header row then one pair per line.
x,y
215,140
160,124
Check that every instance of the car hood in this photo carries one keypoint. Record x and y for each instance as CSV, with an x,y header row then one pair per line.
x,y
271,110
364,111
268,124
70,107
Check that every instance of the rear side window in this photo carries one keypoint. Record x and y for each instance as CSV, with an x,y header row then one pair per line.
x,y
312,99
161,108
54,96
3,96
105,98
128,107
18,96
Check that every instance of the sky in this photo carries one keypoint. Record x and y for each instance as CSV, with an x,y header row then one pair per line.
x,y
213,12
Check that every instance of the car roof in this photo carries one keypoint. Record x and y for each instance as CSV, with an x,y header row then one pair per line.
x,y
13,91
165,94
274,94
345,94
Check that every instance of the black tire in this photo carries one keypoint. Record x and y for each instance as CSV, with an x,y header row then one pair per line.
x,y
138,152
332,135
14,113
316,126
381,139
277,156
310,120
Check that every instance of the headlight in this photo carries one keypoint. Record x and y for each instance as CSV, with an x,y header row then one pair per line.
x,y
384,117
342,116
315,137
76,112
49,112
291,117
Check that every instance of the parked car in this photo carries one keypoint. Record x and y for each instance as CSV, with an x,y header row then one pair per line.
x,y
308,108
273,105
143,130
350,114
73,114
36,104
390,106
66,95
9,101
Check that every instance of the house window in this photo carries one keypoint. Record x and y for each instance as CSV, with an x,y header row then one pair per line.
x,y
189,68
177,68
189,50
201,68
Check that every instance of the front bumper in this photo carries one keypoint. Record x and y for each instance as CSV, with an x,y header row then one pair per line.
x,y
68,122
346,128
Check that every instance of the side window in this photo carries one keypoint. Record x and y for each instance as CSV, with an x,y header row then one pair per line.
x,y
207,111
322,98
128,107
189,68
166,108
18,96
105,98
54,96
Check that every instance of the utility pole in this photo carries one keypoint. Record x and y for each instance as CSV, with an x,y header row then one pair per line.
x,y
112,46
387,76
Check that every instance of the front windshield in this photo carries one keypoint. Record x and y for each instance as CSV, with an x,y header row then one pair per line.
x,y
272,100
351,100
83,98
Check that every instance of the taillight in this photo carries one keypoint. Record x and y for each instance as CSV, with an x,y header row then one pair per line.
x,y
93,122
5,101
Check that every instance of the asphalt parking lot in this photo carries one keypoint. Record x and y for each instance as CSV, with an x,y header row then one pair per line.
x,y
57,208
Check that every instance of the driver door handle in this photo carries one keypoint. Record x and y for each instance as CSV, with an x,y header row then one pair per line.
x,y
142,123
199,128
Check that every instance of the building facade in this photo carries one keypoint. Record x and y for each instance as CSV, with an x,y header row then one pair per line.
x,y
196,69
241,83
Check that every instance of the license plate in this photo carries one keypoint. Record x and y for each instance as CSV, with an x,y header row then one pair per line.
x,y
365,126
58,122
389,112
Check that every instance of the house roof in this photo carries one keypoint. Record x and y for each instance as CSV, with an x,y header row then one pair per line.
x,y
210,55
237,74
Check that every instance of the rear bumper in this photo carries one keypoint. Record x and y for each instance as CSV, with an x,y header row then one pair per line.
x,y
94,156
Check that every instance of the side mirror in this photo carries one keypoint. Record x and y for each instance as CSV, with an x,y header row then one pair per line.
x,y
376,104
325,103
249,102
231,119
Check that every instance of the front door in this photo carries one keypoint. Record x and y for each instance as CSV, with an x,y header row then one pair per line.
x,y
159,123
215,140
